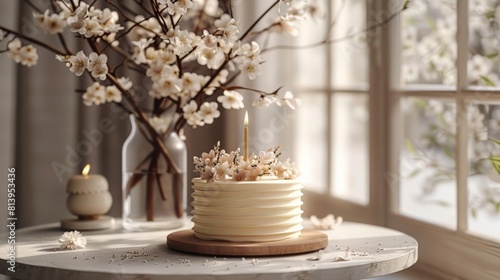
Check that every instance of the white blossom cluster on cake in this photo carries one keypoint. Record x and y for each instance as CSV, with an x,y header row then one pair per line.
x,y
217,164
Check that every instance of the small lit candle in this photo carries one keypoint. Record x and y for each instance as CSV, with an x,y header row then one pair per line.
x,y
245,155
88,195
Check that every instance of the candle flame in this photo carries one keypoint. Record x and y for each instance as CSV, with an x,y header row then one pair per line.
x,y
86,170
245,122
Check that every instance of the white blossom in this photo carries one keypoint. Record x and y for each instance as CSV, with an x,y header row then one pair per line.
x,y
155,70
139,56
194,119
253,172
182,41
231,100
229,27
250,51
95,94
29,55
97,65
208,174
264,101
191,115
285,170
222,170
125,83
217,81
78,63
211,57
53,24
160,124
328,222
26,55
113,94
76,22
252,68
14,47
166,55
190,108
266,157
108,20
288,99
180,7
208,40
169,84
92,28
72,240
208,112
192,83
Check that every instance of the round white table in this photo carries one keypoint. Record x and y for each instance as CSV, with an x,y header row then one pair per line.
x,y
117,254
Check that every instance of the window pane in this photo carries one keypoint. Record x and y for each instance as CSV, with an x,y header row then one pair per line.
x,y
484,43
427,162
349,57
312,141
484,181
311,30
350,147
429,49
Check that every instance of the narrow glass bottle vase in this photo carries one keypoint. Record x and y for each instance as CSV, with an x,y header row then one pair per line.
x,y
154,195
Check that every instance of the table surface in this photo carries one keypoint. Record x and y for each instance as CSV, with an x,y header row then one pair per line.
x,y
118,254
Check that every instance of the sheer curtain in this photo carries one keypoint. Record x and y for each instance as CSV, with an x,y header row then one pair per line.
x,y
48,134
7,96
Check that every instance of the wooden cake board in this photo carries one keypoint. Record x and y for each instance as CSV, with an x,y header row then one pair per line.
x,y
186,241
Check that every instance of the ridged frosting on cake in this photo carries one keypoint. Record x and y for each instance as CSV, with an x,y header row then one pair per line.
x,y
264,210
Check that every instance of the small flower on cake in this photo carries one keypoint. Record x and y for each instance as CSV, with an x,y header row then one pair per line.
x,y
218,164
72,240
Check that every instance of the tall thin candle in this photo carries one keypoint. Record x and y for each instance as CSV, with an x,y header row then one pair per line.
x,y
245,155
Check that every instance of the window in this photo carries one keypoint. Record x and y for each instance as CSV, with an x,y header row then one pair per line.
x,y
334,119
446,99
405,115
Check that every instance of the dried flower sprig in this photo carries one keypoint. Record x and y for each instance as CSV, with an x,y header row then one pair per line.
x,y
217,164
328,222
72,240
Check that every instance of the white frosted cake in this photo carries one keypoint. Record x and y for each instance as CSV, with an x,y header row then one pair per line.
x,y
267,209
254,198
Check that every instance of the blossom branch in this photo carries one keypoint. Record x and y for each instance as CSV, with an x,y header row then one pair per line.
x,y
347,37
262,93
163,24
34,41
258,20
334,20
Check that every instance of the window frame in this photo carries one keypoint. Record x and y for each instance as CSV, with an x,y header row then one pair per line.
x,y
374,212
449,253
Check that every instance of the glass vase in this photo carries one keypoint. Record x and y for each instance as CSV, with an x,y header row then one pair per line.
x,y
154,195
